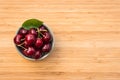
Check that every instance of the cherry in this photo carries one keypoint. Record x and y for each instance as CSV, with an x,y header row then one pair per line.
x,y
23,31
33,31
39,42
46,48
26,45
46,37
17,39
42,29
24,52
30,39
37,55
30,51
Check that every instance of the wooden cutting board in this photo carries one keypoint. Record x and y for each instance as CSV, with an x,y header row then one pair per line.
x,y
87,39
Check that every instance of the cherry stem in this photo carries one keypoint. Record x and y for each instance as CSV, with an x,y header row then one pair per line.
x,y
23,39
43,30
22,47
39,32
21,44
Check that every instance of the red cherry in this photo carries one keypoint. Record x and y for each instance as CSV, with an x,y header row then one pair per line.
x,y
33,31
37,54
30,51
26,45
23,31
46,37
17,39
46,48
39,42
42,29
30,39
24,52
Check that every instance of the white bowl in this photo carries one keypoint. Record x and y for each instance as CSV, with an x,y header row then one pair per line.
x,y
45,54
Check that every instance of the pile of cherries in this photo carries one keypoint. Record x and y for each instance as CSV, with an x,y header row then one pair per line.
x,y
34,43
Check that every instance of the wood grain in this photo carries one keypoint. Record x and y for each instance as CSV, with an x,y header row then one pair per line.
x,y
87,39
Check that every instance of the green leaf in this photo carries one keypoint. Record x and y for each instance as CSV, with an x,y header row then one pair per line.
x,y
31,23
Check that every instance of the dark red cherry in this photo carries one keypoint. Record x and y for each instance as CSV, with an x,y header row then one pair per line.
x,y
23,31
24,52
46,37
39,42
17,39
30,51
26,45
30,39
42,29
46,48
37,55
33,31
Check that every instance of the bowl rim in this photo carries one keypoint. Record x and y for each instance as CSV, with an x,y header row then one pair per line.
x,y
46,55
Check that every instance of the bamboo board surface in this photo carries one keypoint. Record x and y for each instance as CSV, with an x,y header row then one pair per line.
x,y
87,39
